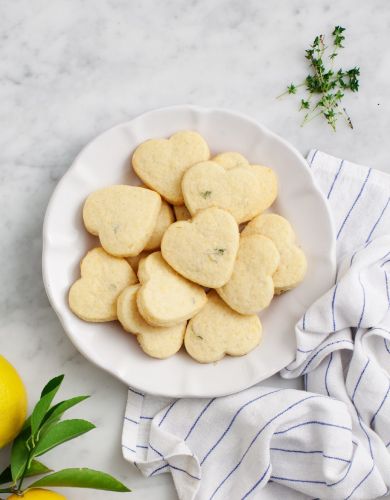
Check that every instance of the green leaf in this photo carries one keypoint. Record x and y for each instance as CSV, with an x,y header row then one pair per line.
x,y
36,468
60,408
54,383
60,433
45,427
19,455
27,423
43,405
292,89
55,413
305,104
81,478
6,476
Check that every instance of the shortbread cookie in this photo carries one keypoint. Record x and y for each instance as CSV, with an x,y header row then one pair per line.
x,y
209,184
123,217
161,163
293,265
181,212
164,220
166,298
265,175
204,248
251,288
134,261
218,330
103,277
231,159
156,342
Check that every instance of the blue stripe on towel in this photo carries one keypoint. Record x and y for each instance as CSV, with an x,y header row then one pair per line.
x,y
335,178
326,373
359,380
378,220
257,482
136,392
199,417
311,452
128,419
313,422
380,406
312,158
364,302
353,204
127,448
293,480
333,312
361,482
168,410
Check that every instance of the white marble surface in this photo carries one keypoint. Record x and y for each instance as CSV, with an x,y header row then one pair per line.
x,y
70,70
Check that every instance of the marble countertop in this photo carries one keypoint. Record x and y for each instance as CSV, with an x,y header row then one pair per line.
x,y
70,70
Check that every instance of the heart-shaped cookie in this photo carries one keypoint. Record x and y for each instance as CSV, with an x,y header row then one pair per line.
x,y
204,248
265,176
123,217
165,297
209,184
156,342
218,330
164,220
134,261
103,277
231,159
251,288
292,266
161,163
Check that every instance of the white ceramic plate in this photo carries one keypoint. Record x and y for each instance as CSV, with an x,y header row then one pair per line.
x,y
105,161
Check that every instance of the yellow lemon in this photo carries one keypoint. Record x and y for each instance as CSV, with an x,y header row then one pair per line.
x,y
38,494
13,402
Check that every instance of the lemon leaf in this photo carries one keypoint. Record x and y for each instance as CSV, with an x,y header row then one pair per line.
x,y
6,476
55,413
36,468
54,383
43,405
27,423
19,456
60,408
60,433
81,478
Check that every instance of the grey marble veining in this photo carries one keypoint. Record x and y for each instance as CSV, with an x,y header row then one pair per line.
x,y
70,70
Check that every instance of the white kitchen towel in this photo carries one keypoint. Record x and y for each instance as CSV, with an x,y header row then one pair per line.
x,y
331,441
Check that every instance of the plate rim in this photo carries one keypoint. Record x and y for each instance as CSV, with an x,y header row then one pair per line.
x,y
330,256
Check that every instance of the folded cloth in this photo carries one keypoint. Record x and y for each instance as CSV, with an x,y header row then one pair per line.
x,y
331,441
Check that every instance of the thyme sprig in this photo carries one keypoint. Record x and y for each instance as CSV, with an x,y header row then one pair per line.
x,y
325,86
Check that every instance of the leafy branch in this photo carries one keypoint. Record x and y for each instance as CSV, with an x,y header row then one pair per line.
x,y
42,431
325,86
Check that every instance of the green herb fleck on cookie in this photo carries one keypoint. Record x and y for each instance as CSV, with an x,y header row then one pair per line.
x,y
205,194
216,253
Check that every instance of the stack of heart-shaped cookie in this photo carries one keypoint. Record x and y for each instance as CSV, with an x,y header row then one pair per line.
x,y
156,276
